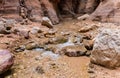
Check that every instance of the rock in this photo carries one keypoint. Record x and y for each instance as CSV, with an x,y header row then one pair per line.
x,y
46,22
25,22
81,7
83,17
107,11
50,54
87,28
88,44
4,29
51,47
7,26
91,70
58,40
91,5
10,22
88,53
50,10
93,76
36,18
75,39
19,49
31,46
91,65
50,34
106,49
87,36
64,33
39,70
74,51
1,35
22,31
6,60
36,30
56,48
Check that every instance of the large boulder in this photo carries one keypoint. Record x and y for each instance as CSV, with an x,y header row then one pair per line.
x,y
106,49
6,60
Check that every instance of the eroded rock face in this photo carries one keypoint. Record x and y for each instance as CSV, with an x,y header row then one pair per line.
x,y
101,10
36,9
48,9
106,50
36,12
91,5
6,60
107,11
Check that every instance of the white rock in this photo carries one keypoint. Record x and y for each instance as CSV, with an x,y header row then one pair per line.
x,y
46,22
106,50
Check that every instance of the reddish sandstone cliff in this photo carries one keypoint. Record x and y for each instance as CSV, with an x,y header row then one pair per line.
x,y
102,10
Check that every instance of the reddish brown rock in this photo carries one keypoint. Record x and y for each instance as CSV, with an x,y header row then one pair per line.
x,y
107,11
6,60
48,9
91,5
102,10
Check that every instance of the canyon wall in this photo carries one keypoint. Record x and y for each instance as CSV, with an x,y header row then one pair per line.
x,y
34,10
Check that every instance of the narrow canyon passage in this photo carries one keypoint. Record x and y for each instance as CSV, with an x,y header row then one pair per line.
x,y
59,39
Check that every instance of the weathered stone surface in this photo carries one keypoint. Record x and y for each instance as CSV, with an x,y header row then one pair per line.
x,y
82,6
88,28
2,28
6,26
88,44
74,51
22,31
6,60
48,9
106,50
46,22
49,33
91,5
107,11
102,10
35,30
36,13
58,40
31,46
